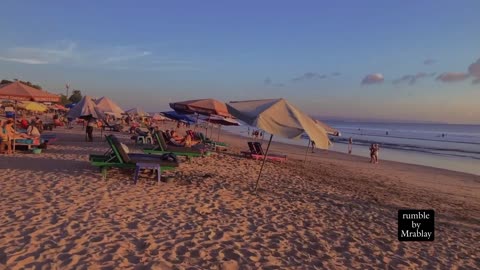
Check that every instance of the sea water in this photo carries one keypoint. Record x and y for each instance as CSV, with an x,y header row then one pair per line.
x,y
447,146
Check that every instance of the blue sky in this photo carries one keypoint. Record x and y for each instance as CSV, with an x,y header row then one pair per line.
x,y
331,58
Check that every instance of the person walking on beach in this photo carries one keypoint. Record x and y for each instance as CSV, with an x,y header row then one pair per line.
x,y
350,145
313,146
372,153
89,130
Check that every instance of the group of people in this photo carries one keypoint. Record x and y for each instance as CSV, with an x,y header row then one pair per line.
x,y
374,148
8,133
255,134
186,141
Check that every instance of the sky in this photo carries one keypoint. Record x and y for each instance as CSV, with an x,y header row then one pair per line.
x,y
391,60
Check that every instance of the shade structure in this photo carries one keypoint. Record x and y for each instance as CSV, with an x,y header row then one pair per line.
x,y
178,117
86,108
278,117
330,130
201,106
107,105
220,120
22,92
32,106
137,111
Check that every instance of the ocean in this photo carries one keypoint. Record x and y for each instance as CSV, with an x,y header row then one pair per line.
x,y
447,146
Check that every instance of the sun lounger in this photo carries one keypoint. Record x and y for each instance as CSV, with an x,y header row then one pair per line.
x,y
215,145
115,127
251,151
118,157
272,156
162,148
256,152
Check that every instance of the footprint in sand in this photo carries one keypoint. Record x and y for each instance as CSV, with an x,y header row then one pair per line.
x,y
96,239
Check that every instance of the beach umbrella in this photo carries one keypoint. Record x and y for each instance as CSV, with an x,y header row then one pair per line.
x,y
85,109
32,106
18,91
21,92
330,131
207,107
178,117
278,117
220,121
107,105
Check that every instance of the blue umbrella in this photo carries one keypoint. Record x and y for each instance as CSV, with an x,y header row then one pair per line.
x,y
178,117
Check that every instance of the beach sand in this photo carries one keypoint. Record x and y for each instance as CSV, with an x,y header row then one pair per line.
x,y
334,212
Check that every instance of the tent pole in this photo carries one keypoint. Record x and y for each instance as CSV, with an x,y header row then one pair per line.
x,y
263,162
219,128
306,152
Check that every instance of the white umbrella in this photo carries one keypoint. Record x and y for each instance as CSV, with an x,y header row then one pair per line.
x,y
85,108
107,106
278,117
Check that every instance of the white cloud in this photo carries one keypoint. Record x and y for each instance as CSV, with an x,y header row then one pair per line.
x,y
111,57
374,78
55,53
452,77
23,60
123,54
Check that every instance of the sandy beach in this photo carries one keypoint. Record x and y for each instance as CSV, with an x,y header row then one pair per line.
x,y
334,212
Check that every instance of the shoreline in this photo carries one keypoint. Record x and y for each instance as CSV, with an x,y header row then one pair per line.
x,y
320,153
466,170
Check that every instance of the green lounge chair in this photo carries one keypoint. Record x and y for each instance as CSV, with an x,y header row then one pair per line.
x,y
215,145
117,157
162,148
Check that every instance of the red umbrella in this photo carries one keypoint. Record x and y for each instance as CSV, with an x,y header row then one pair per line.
x,y
21,92
201,106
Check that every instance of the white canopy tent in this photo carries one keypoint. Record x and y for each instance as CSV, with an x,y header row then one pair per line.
x,y
278,117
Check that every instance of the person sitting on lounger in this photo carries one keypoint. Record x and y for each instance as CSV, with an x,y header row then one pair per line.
x,y
32,130
4,142
176,137
186,141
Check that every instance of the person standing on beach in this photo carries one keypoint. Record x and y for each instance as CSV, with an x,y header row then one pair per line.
x,y
350,145
313,146
372,153
375,153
